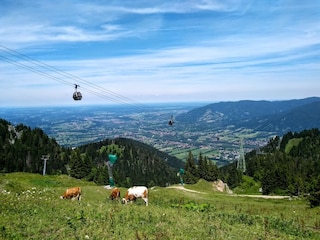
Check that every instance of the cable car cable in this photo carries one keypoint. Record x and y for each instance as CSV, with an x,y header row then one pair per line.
x,y
46,66
32,69
116,97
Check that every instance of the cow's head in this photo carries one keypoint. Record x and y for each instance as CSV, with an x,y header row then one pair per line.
x,y
128,198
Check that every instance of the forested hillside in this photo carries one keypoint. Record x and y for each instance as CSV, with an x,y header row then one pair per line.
x,y
23,148
138,163
297,119
290,164
287,165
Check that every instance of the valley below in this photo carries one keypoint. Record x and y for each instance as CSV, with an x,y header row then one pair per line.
x,y
72,126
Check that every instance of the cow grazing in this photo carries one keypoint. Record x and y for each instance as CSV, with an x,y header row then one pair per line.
x,y
136,192
115,194
72,193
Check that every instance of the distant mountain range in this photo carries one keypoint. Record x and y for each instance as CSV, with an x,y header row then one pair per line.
x,y
275,116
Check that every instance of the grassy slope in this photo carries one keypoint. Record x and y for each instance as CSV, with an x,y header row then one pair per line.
x,y
248,186
294,142
31,209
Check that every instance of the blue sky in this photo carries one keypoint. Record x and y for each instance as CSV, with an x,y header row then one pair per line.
x,y
158,51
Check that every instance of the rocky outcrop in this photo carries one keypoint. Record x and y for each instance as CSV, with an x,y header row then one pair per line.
x,y
220,186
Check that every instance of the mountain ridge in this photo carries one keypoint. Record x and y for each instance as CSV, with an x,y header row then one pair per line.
x,y
258,115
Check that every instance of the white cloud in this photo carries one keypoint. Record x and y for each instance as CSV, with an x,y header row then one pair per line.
x,y
164,49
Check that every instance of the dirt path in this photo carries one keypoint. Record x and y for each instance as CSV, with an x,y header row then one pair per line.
x,y
185,189
261,196
232,195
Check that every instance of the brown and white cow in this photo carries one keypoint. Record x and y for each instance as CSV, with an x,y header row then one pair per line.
x,y
136,192
72,193
115,194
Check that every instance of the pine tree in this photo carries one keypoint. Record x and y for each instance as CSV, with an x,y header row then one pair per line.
x,y
202,167
213,171
80,167
191,171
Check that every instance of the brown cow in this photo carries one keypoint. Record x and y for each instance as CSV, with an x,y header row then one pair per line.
x,y
115,194
72,193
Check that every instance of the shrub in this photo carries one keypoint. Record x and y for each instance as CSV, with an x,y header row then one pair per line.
x,y
314,199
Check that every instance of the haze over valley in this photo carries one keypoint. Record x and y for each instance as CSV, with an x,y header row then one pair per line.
x,y
216,130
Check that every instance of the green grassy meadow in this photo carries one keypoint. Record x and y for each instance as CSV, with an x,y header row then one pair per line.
x,y
30,208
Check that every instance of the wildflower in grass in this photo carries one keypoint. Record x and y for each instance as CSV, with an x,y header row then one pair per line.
x,y
5,191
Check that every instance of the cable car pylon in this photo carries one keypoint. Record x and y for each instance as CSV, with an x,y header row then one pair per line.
x,y
241,165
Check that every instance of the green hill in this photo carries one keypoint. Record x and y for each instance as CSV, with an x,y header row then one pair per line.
x,y
138,163
31,209
288,165
23,148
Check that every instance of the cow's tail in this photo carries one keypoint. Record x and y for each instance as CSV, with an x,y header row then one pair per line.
x,y
118,196
146,193
80,192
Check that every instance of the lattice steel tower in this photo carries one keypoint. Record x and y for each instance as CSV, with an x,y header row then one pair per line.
x,y
241,165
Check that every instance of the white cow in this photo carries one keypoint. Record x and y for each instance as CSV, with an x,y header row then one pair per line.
x,y
136,192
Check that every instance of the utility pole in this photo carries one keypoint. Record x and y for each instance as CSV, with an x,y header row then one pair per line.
x,y
241,166
45,158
